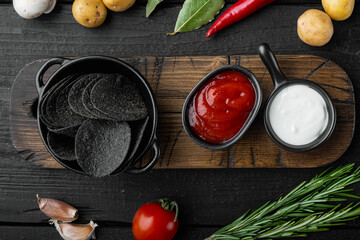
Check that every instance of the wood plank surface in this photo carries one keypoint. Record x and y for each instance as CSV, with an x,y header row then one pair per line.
x,y
171,79
116,232
207,197
102,232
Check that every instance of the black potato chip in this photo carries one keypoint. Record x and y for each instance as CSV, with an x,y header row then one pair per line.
x,y
101,146
137,132
42,110
76,92
87,101
119,98
46,94
62,146
66,115
48,105
68,131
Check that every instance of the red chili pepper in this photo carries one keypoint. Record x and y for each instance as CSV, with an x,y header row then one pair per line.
x,y
236,12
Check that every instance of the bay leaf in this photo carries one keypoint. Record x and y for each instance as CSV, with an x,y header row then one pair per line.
x,y
196,13
151,5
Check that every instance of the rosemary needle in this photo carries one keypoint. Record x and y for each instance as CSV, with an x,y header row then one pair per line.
x,y
312,206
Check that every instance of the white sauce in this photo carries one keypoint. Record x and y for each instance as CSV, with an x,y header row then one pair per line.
x,y
298,114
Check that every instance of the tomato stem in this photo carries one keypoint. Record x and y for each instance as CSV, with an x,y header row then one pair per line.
x,y
168,205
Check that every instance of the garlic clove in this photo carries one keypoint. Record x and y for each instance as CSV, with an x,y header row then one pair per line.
x,y
56,209
72,231
51,6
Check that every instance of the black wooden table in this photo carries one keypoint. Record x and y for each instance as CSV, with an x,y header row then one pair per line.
x,y
208,199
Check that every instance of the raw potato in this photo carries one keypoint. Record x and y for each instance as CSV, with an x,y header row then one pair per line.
x,y
89,13
118,5
315,28
338,10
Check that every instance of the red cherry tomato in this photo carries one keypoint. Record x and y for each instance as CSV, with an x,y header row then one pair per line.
x,y
156,221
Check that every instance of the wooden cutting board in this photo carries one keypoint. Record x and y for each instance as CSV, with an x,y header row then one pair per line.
x,y
171,79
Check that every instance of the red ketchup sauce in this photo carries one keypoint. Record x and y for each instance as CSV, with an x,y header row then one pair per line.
x,y
220,108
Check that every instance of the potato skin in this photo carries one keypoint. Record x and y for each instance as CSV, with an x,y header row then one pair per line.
x,y
338,10
89,13
118,5
315,28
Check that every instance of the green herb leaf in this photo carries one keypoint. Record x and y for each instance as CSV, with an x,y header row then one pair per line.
x,y
196,13
151,5
309,207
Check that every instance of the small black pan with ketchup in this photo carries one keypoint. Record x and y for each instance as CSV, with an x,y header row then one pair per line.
x,y
221,107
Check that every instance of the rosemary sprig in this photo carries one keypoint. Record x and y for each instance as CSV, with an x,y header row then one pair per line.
x,y
309,207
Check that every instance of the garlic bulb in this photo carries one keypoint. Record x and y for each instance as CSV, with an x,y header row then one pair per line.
x,y
57,210
33,8
72,231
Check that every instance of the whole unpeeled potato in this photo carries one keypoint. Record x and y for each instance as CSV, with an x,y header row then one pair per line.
x,y
118,5
315,28
338,10
89,13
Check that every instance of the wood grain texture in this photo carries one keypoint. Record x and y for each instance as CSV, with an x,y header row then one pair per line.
x,y
102,232
125,233
171,79
212,197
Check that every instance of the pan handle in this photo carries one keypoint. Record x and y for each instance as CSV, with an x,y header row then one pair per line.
x,y
269,59
151,164
39,76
